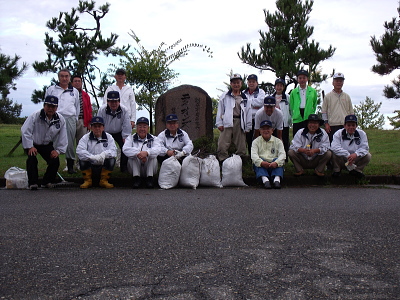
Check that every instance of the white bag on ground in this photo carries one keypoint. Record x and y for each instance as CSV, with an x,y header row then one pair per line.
x,y
169,173
210,172
190,173
232,171
16,178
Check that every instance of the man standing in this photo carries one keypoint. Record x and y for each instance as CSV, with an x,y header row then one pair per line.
x,y
336,106
268,156
310,148
85,109
255,97
173,140
96,150
44,132
303,101
117,123
270,113
68,107
233,119
127,96
142,149
350,149
282,103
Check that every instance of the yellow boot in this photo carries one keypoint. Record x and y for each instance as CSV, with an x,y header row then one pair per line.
x,y
87,179
104,176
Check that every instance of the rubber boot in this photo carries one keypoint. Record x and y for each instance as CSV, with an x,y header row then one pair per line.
x,y
104,176
70,166
87,179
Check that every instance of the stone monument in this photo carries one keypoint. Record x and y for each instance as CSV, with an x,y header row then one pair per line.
x,y
192,105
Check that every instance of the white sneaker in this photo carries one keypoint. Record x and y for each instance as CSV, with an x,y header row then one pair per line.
x,y
33,187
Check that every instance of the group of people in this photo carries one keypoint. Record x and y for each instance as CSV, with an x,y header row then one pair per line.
x,y
264,121
247,116
53,130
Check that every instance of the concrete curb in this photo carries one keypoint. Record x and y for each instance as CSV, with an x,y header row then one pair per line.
x,y
288,181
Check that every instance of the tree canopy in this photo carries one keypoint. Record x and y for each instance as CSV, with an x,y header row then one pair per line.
x,y
149,70
9,73
75,47
368,114
387,53
285,47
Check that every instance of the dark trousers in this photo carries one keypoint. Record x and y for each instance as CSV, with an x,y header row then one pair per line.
x,y
52,165
298,126
333,130
249,137
108,164
124,159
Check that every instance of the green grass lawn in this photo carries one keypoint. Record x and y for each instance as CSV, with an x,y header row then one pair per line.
x,y
384,147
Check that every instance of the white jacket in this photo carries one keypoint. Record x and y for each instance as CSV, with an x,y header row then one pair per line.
x,y
90,145
342,145
225,111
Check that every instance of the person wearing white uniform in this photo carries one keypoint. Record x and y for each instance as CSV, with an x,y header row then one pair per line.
x,y
127,96
45,133
142,149
270,113
350,149
116,123
69,108
310,148
96,150
173,140
255,97
233,119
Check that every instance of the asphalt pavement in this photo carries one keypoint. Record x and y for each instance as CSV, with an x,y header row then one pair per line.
x,y
209,243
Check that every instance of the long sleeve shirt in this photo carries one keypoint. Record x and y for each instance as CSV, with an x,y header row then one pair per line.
x,y
90,145
39,130
344,144
179,142
116,121
127,99
135,144
262,150
68,100
318,140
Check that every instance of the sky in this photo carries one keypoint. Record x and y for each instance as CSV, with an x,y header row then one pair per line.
x,y
224,26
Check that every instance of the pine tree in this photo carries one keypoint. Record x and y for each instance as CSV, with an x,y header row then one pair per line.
x,y
9,72
285,47
387,53
368,114
75,47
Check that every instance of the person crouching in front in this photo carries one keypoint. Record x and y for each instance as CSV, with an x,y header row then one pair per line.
x,y
268,156
96,150
142,149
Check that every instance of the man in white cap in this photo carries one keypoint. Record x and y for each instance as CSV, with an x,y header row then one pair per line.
x,y
96,150
350,149
234,118
336,106
45,133
142,149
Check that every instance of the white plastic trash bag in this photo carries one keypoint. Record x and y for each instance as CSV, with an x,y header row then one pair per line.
x,y
16,178
190,173
169,173
210,172
232,171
